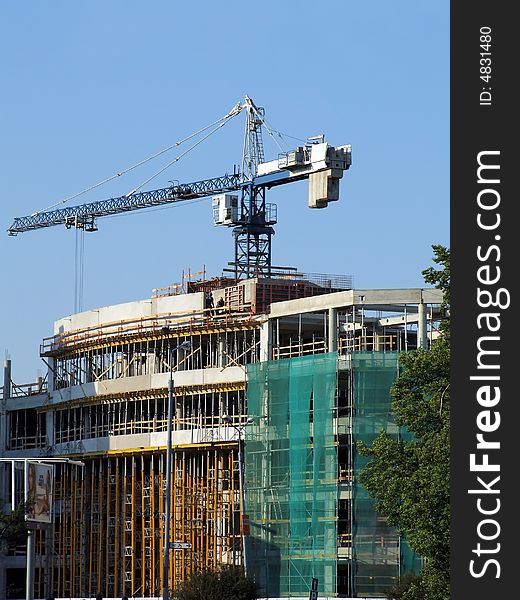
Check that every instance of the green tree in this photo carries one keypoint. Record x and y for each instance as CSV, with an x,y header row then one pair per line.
x,y
229,583
440,278
13,527
409,479
401,587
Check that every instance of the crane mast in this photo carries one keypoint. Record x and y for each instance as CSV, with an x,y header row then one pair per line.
x,y
253,154
254,229
239,199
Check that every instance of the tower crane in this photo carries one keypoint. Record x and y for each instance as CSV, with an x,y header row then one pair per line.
x,y
239,199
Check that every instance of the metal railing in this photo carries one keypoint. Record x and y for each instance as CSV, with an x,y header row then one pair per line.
x,y
299,349
26,389
26,442
382,343
201,422
344,540
144,326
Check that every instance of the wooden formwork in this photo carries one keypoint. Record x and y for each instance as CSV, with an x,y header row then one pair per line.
x,y
109,524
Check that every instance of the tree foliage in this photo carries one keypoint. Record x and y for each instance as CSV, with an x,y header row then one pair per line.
x,y
229,583
13,527
401,587
440,278
409,479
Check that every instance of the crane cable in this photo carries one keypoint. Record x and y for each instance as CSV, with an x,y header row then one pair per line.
x,y
265,124
79,254
271,131
272,136
232,113
286,135
176,159
79,264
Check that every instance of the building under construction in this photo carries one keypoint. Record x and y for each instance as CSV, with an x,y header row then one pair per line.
x,y
255,388
274,381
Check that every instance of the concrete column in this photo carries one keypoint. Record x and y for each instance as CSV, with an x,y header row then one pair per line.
x,y
181,355
422,329
7,380
3,431
222,408
6,394
266,340
50,374
333,330
178,411
49,428
222,358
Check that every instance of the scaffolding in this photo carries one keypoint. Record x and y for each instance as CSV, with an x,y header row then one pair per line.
x,y
380,555
308,514
291,475
109,520
130,358
132,413
108,533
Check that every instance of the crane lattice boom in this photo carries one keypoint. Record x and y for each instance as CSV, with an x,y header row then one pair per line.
x,y
84,214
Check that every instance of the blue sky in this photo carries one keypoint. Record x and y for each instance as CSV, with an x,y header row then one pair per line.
x,y
90,88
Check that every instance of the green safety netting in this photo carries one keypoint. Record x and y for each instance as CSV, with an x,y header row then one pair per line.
x,y
291,475
379,554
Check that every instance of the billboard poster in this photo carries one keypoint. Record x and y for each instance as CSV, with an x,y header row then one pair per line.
x,y
39,492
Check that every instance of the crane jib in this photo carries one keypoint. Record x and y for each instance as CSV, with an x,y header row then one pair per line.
x,y
82,214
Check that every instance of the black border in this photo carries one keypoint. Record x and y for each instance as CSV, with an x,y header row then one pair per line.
x,y
476,128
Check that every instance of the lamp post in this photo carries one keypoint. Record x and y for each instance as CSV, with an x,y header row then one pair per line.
x,y
186,345
227,419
